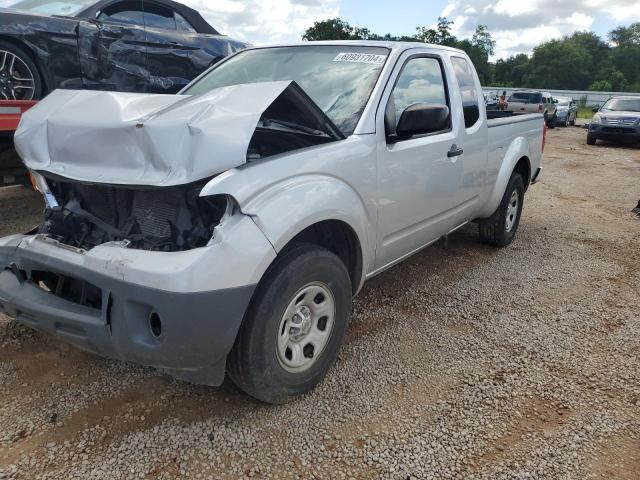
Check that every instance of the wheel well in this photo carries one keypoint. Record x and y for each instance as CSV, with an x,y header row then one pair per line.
x,y
34,58
339,238
523,168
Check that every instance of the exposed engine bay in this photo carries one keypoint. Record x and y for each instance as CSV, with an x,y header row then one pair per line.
x,y
156,155
164,219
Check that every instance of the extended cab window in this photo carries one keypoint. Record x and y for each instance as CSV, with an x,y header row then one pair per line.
x,y
468,90
420,81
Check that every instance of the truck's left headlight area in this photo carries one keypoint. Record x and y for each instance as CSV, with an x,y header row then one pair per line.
x,y
167,219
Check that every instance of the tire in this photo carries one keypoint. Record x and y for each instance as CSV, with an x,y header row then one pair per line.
x,y
261,362
553,122
500,229
572,122
591,139
31,86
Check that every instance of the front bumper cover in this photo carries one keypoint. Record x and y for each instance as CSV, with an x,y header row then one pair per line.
x,y
613,132
198,328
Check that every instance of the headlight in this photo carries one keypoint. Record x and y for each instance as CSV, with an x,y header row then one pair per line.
x,y
597,119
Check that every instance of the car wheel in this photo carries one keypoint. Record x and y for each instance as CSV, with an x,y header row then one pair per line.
x,y
294,327
591,139
573,122
500,229
19,76
553,122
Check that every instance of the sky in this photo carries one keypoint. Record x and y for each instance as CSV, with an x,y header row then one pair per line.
x,y
516,25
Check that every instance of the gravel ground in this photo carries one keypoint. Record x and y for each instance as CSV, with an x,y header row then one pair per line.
x,y
462,362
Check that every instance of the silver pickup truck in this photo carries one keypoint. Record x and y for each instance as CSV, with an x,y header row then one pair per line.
x,y
226,229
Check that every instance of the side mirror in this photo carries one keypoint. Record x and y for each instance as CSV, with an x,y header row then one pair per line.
x,y
595,109
422,118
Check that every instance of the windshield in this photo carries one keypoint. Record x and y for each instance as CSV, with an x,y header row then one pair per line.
x,y
622,105
339,79
52,7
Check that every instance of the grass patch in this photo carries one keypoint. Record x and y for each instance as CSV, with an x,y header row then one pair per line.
x,y
585,112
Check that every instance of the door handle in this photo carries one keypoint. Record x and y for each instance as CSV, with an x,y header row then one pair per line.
x,y
455,151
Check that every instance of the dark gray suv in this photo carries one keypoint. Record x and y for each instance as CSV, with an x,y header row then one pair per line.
x,y
618,120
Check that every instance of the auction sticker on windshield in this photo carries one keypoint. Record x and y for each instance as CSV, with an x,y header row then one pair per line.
x,y
359,58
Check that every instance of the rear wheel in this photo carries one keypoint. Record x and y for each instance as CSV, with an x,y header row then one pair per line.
x,y
591,139
19,76
294,327
500,229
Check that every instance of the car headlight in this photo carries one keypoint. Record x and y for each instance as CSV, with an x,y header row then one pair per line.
x,y
597,119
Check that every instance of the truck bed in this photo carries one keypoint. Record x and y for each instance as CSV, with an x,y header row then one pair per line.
x,y
508,127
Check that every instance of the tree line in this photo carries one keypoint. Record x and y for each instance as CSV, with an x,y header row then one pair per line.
x,y
581,61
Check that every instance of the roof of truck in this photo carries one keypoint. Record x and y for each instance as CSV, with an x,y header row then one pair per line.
x,y
396,46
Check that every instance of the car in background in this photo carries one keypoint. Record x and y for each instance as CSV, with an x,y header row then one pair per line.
x,y
491,101
533,101
153,46
567,111
618,120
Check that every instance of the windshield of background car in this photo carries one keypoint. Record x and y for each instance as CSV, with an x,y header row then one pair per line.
x,y
622,105
524,97
339,79
50,7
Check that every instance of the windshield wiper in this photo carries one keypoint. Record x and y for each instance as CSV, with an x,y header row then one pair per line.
x,y
294,127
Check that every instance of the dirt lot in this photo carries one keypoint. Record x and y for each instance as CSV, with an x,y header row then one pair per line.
x,y
463,362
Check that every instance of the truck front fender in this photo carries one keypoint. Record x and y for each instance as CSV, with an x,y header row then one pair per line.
x,y
517,150
286,207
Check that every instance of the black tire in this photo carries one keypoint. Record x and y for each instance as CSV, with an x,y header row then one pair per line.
x,y
553,122
38,85
254,364
572,122
494,230
591,139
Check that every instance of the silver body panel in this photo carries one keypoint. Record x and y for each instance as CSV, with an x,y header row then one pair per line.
x,y
397,198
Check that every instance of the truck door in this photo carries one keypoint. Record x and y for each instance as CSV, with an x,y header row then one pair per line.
x,y
418,177
473,138
112,50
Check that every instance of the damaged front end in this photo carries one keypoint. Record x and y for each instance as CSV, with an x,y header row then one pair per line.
x,y
165,219
135,173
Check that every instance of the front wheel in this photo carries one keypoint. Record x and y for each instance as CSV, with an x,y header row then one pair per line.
x,y
500,229
591,139
294,327
19,76
553,122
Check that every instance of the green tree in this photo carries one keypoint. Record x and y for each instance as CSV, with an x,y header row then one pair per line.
x,y
601,86
626,36
483,40
510,72
334,29
441,35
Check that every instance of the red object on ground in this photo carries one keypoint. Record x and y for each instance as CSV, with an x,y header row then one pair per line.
x,y
10,113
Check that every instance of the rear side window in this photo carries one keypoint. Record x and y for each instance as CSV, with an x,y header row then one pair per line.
x,y
468,90
183,25
128,13
156,16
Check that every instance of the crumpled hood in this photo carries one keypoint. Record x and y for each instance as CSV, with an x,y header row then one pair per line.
x,y
143,139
